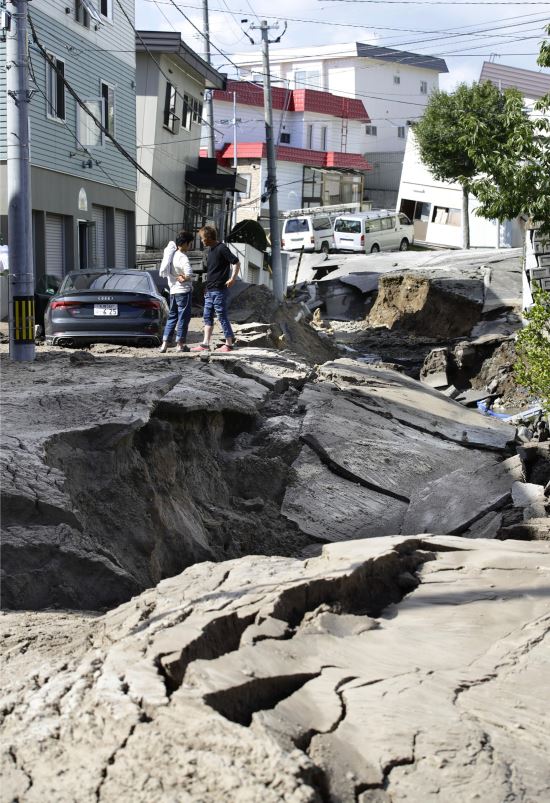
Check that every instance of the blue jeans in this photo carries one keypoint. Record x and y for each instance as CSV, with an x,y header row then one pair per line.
x,y
214,301
180,312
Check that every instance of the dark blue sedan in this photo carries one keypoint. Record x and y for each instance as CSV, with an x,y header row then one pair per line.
x,y
108,306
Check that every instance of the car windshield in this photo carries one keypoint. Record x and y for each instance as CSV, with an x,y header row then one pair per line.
x,y
348,226
296,224
132,282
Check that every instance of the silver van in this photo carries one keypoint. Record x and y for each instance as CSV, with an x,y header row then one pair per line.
x,y
370,232
310,232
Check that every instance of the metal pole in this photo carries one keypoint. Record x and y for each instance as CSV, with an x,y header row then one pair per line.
x,y
209,105
235,161
276,266
21,266
235,131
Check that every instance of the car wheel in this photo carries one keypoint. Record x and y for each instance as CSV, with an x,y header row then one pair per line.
x,y
375,249
325,248
404,245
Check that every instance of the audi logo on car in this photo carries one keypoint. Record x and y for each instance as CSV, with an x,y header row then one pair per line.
x,y
106,298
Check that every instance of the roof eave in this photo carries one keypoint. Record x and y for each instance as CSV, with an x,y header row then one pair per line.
x,y
172,44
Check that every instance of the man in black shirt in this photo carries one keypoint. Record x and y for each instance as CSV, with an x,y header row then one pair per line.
x,y
222,269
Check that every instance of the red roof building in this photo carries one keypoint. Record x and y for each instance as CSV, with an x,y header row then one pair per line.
x,y
318,138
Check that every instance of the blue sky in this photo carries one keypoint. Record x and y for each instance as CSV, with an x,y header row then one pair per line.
x,y
464,35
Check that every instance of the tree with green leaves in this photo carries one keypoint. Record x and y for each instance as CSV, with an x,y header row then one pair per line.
x,y
458,129
532,368
514,173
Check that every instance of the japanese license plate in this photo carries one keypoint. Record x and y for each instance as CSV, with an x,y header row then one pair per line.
x,y
105,309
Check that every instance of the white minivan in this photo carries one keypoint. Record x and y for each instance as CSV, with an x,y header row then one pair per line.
x,y
310,232
379,230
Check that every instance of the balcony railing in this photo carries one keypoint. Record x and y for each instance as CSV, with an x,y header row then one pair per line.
x,y
154,236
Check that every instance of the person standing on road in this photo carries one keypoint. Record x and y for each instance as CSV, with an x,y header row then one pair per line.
x,y
176,268
222,269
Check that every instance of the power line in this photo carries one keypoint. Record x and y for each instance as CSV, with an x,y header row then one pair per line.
x,y
101,127
83,147
311,20
176,90
441,3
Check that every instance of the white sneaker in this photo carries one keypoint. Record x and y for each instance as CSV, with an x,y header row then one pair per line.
x,y
164,347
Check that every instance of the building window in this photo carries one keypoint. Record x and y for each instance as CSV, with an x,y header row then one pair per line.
x,y
81,14
446,216
87,133
187,111
55,88
170,119
396,79
423,87
247,177
371,130
307,79
108,107
106,9
422,211
86,10
197,111
401,131
324,131
192,111
285,138
309,137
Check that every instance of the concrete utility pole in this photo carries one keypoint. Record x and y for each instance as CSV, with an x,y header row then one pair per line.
x,y
21,265
271,188
209,105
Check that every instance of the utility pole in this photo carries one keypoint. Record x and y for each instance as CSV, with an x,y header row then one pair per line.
x,y
209,105
235,160
271,186
21,266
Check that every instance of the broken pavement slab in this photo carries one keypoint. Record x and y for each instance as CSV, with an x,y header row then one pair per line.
x,y
407,401
439,507
309,712
111,472
370,485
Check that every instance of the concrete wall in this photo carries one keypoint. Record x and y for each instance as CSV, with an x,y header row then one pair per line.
x,y
249,208
164,154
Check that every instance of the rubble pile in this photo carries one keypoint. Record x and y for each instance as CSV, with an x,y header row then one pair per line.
x,y
276,575
402,669
119,472
442,307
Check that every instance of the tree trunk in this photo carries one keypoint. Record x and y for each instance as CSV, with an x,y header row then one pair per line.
x,y
465,218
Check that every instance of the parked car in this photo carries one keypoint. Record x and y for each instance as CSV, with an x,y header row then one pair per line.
x,y
310,232
370,232
46,287
108,306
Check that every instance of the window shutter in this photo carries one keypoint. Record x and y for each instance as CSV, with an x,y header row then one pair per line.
x,y
60,100
166,119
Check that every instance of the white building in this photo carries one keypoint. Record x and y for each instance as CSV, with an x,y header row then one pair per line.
x,y
436,206
171,80
394,85
318,142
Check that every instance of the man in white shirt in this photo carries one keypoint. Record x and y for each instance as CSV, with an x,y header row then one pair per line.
x,y
176,268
